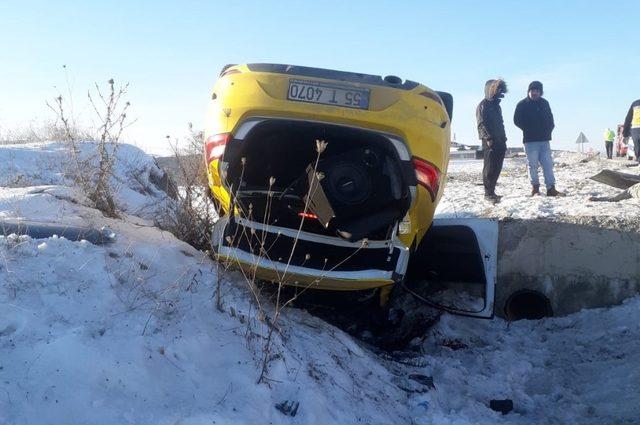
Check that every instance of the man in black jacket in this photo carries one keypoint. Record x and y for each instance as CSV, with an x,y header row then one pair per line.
x,y
491,132
632,127
533,116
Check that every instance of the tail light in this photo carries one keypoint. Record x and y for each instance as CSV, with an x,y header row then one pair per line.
x,y
307,215
214,146
428,175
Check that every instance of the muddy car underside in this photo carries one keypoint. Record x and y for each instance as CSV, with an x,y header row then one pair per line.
x,y
327,211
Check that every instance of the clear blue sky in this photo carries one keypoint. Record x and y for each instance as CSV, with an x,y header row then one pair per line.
x,y
586,53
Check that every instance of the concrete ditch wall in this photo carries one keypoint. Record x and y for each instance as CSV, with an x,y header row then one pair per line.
x,y
575,266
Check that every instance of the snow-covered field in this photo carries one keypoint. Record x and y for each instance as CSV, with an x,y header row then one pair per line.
x,y
463,195
464,189
128,332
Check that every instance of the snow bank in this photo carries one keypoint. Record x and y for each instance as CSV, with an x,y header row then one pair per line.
x,y
128,333
582,369
135,178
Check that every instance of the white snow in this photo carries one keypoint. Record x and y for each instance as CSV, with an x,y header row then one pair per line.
x,y
128,333
36,167
463,195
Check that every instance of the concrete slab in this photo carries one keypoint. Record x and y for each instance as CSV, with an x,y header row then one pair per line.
x,y
575,266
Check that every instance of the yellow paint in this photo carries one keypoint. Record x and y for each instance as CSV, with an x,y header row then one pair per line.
x,y
303,281
420,121
635,119
385,293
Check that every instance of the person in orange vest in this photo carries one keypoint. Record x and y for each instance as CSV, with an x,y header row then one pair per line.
x,y
609,137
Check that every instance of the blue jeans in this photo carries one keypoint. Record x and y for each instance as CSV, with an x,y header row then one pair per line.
x,y
540,153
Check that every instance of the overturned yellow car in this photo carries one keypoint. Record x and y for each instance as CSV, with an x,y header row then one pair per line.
x,y
325,179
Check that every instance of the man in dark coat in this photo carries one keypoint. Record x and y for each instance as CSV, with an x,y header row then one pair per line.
x,y
533,116
632,127
491,132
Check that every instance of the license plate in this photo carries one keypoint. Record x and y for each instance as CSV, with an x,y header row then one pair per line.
x,y
328,94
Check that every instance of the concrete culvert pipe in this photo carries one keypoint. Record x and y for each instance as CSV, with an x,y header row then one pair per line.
x,y
527,304
575,265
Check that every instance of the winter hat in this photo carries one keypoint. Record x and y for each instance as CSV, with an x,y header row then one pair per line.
x,y
535,85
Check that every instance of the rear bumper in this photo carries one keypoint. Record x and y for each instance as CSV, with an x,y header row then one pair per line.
x,y
274,271
355,266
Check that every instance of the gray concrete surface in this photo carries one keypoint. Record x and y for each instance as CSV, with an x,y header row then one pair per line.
x,y
575,265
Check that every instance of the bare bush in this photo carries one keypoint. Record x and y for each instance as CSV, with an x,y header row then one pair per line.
x,y
192,216
93,172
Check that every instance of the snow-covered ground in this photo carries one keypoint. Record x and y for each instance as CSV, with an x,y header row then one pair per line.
x,y
128,333
463,194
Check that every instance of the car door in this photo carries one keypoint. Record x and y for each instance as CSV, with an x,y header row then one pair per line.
x,y
455,266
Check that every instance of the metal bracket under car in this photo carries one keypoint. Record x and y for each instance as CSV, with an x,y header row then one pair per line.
x,y
455,266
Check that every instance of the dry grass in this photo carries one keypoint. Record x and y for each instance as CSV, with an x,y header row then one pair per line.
x,y
269,311
37,133
192,216
93,172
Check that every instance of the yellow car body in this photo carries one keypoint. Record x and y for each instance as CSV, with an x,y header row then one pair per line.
x,y
410,116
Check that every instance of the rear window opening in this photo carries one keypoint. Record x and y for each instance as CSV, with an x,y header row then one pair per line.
x,y
364,189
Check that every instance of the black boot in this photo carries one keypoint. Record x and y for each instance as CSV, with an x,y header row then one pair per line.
x,y
553,192
492,197
535,189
